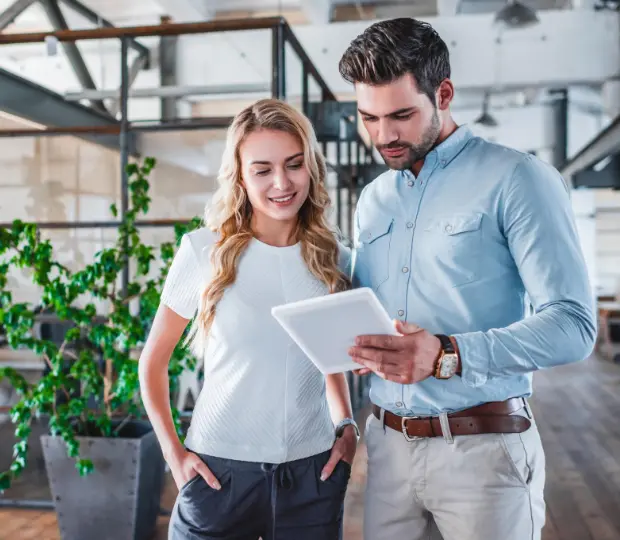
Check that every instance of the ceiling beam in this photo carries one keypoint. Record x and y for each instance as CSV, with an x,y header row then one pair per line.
x,y
8,16
58,21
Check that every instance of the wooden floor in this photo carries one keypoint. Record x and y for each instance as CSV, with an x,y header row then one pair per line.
x,y
578,412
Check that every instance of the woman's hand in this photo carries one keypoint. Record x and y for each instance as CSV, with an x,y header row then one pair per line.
x,y
344,449
186,465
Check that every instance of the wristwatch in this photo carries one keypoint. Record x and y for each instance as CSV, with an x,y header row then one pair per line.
x,y
448,360
347,422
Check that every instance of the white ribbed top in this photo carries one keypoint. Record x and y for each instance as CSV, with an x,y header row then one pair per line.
x,y
263,400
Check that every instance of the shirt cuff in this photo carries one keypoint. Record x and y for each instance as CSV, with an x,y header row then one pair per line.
x,y
475,358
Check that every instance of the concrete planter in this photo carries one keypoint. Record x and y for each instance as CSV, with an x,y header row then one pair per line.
x,y
120,499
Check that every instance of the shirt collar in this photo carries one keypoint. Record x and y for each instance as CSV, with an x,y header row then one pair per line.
x,y
448,149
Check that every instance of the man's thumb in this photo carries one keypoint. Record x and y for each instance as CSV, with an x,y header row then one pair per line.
x,y
406,327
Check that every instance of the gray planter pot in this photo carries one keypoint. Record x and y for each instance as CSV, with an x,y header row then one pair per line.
x,y
120,499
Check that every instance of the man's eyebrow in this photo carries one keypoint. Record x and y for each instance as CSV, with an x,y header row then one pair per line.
x,y
393,113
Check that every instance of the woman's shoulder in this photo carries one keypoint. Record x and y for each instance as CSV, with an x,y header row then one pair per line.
x,y
200,239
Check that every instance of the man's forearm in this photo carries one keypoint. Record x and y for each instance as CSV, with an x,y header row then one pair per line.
x,y
561,333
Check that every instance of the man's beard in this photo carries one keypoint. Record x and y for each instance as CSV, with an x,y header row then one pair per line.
x,y
414,152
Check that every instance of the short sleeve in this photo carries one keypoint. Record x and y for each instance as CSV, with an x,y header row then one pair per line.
x,y
181,291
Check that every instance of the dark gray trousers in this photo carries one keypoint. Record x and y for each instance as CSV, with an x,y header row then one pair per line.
x,y
262,500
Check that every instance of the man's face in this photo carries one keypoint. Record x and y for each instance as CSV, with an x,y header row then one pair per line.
x,y
402,122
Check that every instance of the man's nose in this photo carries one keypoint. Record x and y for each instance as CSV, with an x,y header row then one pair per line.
x,y
386,134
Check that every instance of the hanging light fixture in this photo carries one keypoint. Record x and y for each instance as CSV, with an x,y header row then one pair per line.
x,y
486,119
516,15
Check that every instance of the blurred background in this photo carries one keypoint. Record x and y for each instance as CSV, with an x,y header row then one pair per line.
x,y
541,76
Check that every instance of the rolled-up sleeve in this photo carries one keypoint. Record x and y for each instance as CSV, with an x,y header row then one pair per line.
x,y
536,216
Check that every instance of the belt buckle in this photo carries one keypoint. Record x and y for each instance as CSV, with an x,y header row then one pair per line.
x,y
403,427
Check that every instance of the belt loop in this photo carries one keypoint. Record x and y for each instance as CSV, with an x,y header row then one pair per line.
x,y
445,427
382,418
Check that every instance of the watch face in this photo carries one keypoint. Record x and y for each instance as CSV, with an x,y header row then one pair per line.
x,y
448,366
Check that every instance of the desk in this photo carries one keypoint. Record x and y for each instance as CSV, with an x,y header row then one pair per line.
x,y
608,313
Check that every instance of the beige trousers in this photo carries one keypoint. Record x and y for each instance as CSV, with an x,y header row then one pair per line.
x,y
477,487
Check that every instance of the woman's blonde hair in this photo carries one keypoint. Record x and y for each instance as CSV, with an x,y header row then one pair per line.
x,y
229,214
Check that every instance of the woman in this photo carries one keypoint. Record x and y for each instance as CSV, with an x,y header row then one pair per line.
x,y
271,441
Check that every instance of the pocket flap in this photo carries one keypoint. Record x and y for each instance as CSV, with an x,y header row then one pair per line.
x,y
376,230
456,224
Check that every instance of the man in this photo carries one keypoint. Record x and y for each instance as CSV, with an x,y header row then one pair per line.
x,y
452,239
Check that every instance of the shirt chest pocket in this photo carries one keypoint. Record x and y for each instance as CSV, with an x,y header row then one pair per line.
x,y
372,253
451,248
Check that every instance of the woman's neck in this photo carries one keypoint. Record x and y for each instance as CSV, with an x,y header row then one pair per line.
x,y
274,232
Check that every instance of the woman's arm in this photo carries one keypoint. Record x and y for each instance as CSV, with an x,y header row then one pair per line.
x,y
165,333
338,397
339,400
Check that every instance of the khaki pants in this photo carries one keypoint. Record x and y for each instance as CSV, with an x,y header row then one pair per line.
x,y
479,487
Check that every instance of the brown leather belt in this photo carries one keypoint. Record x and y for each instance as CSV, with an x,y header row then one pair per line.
x,y
494,417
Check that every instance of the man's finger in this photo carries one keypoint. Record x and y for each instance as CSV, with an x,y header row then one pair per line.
x,y
384,366
383,341
206,473
361,372
334,458
407,328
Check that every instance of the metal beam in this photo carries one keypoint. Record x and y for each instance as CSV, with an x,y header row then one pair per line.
x,y
560,125
607,177
172,91
94,18
11,13
59,23
603,145
168,72
231,25
183,124
38,104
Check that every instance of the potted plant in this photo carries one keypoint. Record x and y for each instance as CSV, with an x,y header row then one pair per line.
x,y
103,461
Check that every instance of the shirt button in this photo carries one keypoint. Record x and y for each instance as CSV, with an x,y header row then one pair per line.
x,y
448,228
405,269
410,225
401,312
410,183
399,403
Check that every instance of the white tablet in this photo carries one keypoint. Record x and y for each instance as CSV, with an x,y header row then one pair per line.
x,y
325,327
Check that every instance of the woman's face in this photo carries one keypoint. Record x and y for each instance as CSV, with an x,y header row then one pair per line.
x,y
274,174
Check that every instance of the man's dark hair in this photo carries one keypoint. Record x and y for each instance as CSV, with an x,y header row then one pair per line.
x,y
387,50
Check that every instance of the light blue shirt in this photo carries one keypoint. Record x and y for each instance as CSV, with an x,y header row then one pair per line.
x,y
462,250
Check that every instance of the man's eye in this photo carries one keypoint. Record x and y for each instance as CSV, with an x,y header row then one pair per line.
x,y
369,118
403,116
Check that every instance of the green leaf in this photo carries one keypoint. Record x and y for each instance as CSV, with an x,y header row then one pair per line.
x,y
114,210
5,481
84,467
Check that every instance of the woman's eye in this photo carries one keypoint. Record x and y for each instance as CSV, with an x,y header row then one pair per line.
x,y
295,166
262,172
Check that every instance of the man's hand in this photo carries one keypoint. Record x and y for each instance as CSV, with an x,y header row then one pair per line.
x,y
344,449
405,359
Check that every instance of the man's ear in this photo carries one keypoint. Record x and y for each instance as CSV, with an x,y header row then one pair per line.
x,y
445,94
